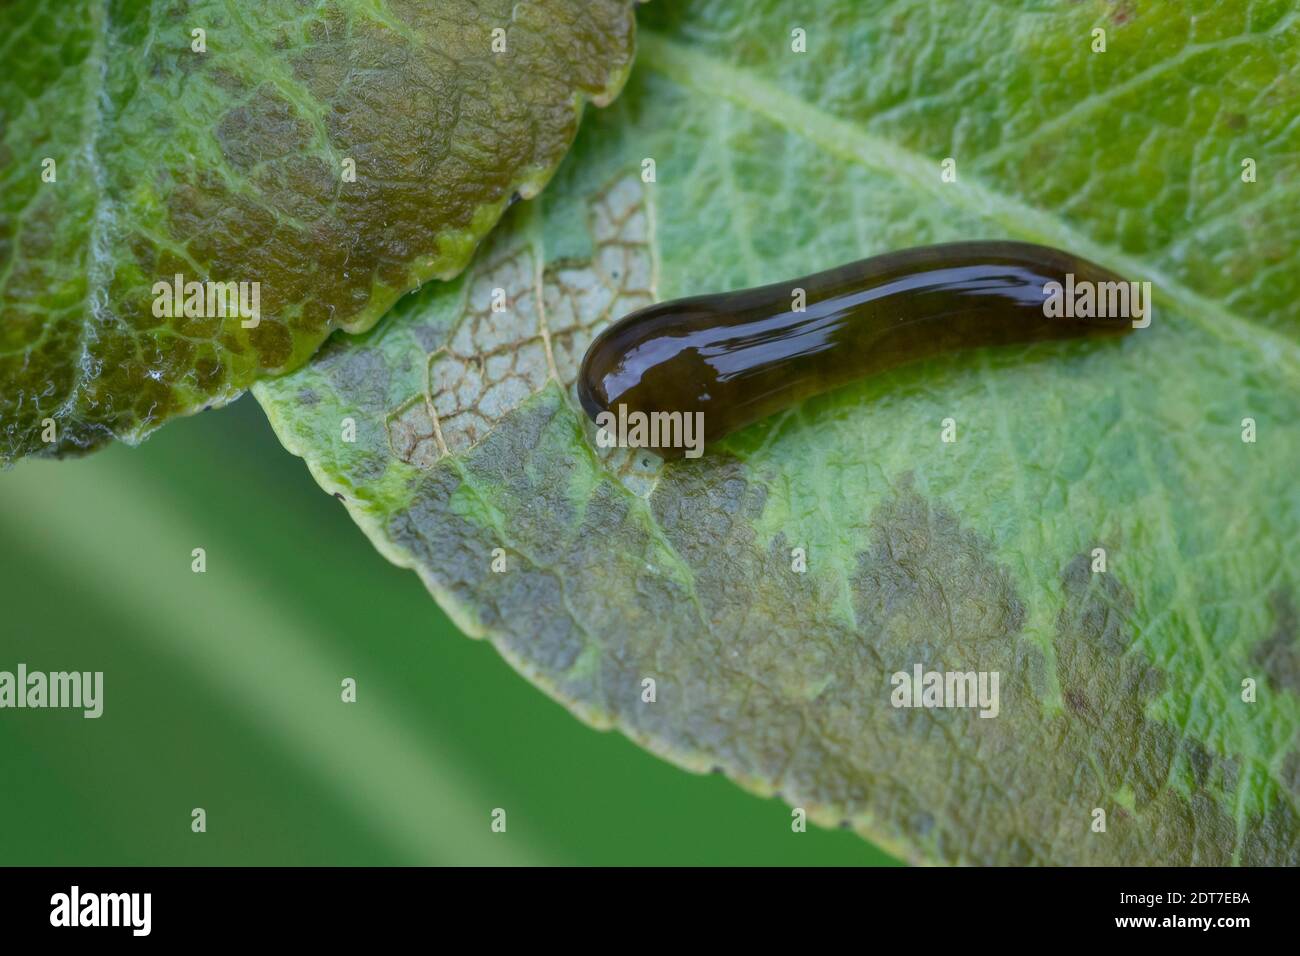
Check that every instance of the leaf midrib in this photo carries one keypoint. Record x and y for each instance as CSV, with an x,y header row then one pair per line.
x,y
704,73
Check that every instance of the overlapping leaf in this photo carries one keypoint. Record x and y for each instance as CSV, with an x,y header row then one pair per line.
x,y
336,153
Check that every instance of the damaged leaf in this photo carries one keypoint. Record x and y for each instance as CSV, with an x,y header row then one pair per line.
x,y
1104,533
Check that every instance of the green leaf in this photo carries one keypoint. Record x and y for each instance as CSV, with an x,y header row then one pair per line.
x,y
1121,690
338,154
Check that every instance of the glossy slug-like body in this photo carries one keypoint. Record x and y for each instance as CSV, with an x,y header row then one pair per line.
x,y
737,357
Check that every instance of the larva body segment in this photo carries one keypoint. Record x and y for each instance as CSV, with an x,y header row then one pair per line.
x,y
740,356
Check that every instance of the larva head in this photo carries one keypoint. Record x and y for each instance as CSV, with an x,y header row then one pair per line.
x,y
649,361
647,378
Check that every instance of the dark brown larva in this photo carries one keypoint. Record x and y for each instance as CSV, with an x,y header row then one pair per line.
x,y
737,357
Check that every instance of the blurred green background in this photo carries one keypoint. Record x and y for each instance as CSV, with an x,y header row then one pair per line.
x,y
222,691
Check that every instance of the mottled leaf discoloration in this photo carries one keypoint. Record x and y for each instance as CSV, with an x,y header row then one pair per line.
x,y
1120,689
232,165
1279,654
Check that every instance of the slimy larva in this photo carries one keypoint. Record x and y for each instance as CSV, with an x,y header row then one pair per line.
x,y
737,357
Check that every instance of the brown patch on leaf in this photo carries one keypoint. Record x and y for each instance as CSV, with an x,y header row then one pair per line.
x,y
1279,653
